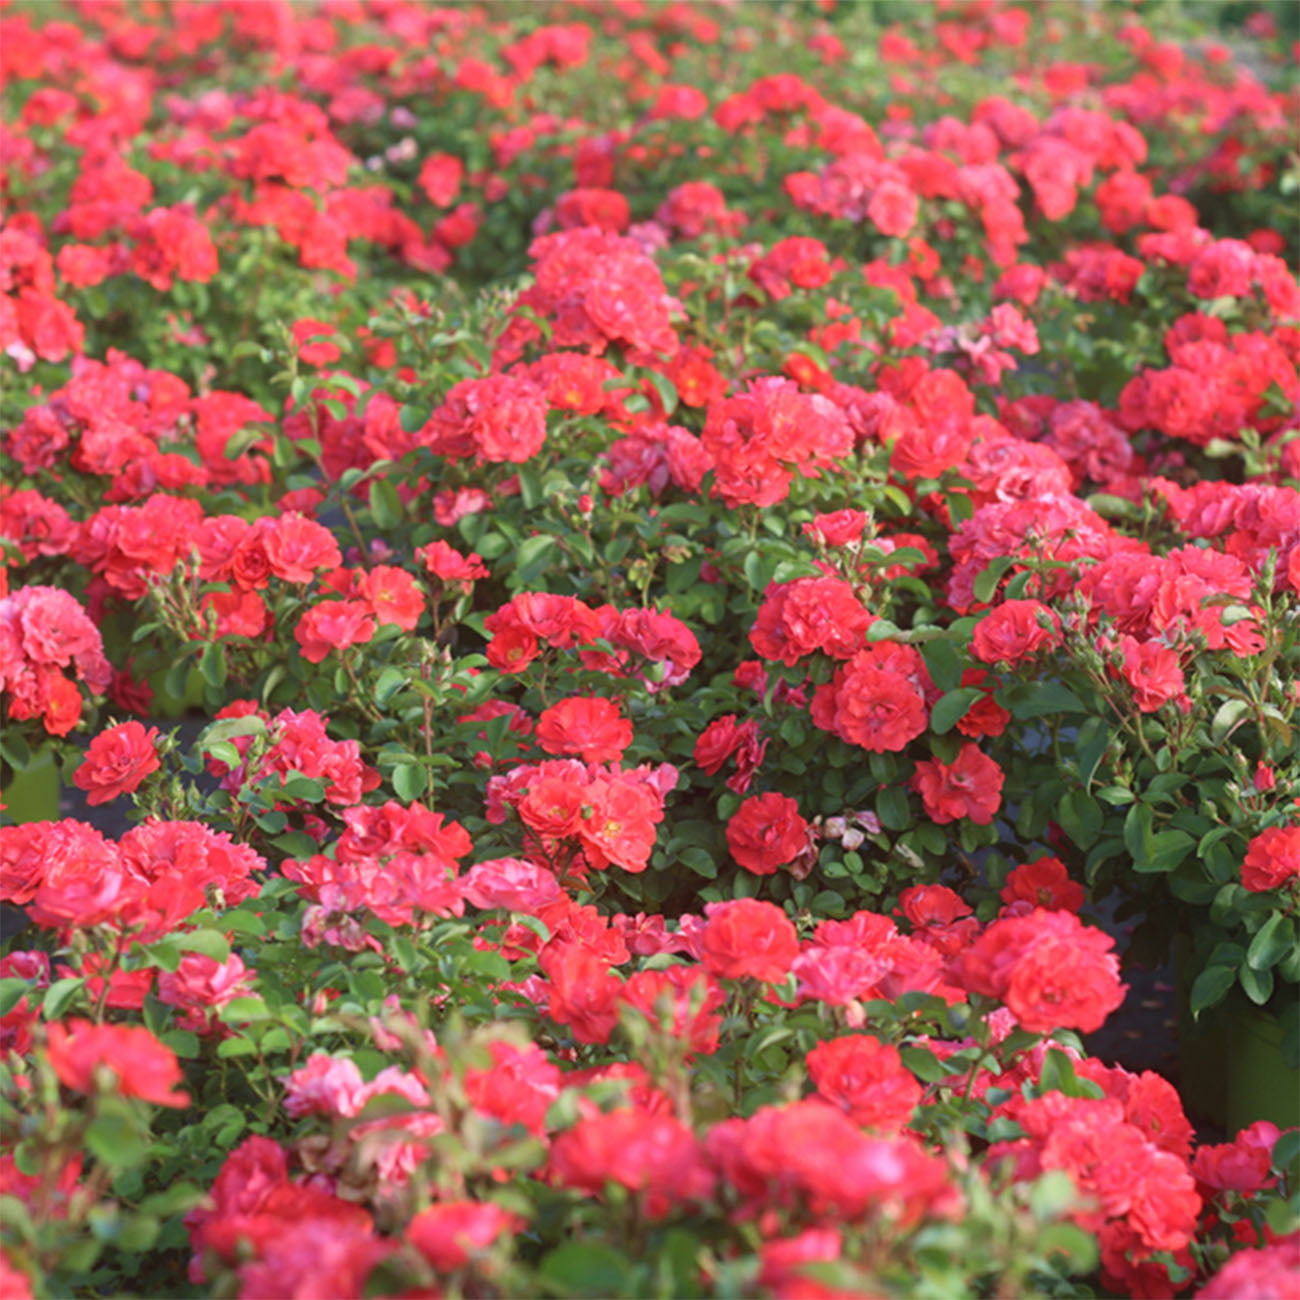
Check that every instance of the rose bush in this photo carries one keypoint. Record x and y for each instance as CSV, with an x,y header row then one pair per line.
x,y
696,602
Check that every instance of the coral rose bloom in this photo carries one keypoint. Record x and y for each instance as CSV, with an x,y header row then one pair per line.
x,y
589,726
766,833
970,786
1272,859
748,937
117,761
142,1066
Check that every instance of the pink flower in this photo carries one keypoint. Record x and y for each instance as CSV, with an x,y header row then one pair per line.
x,y
326,1085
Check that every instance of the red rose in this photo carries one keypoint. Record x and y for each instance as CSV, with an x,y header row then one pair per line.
x,y
1152,671
717,742
682,999
584,994
449,1233
877,708
297,548
440,177
238,613
892,209
393,596
1051,970
62,704
866,1080
932,905
512,649
725,737
986,717
313,341
117,761
1013,632
1272,859
838,528
250,567
142,1066
333,625
766,833
656,1155
450,565
552,807
589,726
747,937
1045,883
971,786
621,828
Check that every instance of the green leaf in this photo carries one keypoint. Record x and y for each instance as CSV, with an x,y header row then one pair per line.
x,y
665,388
892,808
952,708
793,731
758,569
224,752
767,1037
163,953
883,630
237,1046
924,1064
176,1198
410,781
15,750
1286,1152
944,663
211,943
585,1268
699,860
240,1010
1068,1239
530,488
1090,747
114,1135
385,504
414,418
1210,988
1116,795
1137,832
987,582
1058,1075
1112,507
1281,1216
12,991
212,667
59,997
1257,985
295,844
1052,1195
1080,818
390,681
1040,699
1164,851
1226,717
310,788
182,1042
1217,855
1276,937
533,556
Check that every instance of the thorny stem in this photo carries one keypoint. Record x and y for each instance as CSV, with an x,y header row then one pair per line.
x,y
353,525
102,1004
358,694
